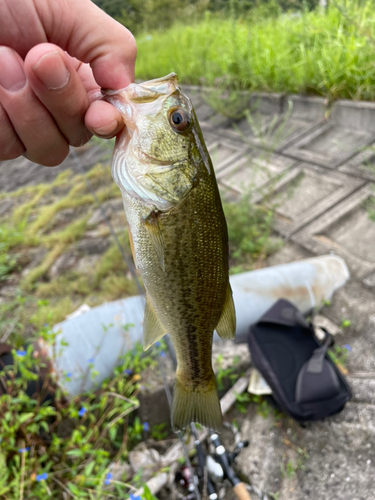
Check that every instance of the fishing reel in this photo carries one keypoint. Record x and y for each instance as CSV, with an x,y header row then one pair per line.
x,y
212,468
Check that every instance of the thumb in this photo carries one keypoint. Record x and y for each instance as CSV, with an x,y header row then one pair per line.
x,y
90,35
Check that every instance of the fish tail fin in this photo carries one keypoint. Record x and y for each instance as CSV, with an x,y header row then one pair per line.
x,y
199,404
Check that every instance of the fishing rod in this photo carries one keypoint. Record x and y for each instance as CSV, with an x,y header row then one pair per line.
x,y
225,460
211,490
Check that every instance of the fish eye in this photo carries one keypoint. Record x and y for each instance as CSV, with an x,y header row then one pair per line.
x,y
179,120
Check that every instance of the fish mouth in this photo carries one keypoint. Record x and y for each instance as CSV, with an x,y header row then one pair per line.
x,y
153,89
140,93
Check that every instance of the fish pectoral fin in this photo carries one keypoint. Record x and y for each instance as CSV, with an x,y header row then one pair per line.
x,y
226,327
153,328
132,246
156,237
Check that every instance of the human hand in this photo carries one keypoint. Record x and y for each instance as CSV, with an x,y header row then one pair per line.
x,y
55,55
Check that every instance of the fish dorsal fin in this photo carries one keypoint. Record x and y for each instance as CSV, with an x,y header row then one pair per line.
x,y
153,329
226,327
156,237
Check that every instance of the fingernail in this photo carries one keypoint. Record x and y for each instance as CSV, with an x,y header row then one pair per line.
x,y
51,71
12,76
107,129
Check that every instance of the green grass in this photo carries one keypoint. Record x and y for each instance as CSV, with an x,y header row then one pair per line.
x,y
34,225
47,450
328,54
249,231
370,207
10,236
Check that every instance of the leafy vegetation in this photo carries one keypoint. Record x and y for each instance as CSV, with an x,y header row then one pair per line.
x,y
370,207
68,447
325,53
47,222
249,229
9,237
227,374
145,15
339,355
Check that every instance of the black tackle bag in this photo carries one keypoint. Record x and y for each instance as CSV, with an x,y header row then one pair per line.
x,y
305,382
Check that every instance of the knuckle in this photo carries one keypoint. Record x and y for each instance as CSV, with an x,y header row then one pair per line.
x,y
10,145
127,40
51,157
82,139
11,150
132,44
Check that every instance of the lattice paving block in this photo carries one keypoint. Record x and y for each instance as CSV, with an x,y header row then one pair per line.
x,y
263,110
350,128
347,229
302,116
306,192
362,165
254,172
224,152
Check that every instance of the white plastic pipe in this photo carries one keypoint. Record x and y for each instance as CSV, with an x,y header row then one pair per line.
x,y
102,334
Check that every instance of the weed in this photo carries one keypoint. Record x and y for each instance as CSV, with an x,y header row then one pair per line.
x,y
242,402
227,102
369,206
9,238
112,262
288,470
158,433
324,53
70,284
302,453
70,445
263,407
38,272
345,323
339,355
147,495
225,374
51,312
249,230
36,222
274,496
68,235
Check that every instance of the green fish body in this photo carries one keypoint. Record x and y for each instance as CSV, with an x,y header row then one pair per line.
x,y
179,237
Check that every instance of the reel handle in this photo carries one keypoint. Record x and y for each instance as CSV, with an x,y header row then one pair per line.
x,y
241,492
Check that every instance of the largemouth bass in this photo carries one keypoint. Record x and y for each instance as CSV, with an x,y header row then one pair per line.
x,y
179,237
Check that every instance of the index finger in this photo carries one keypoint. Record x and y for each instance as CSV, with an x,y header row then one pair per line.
x,y
90,35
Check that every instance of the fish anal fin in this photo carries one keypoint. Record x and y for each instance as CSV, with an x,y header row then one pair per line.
x,y
153,329
156,237
200,404
226,327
